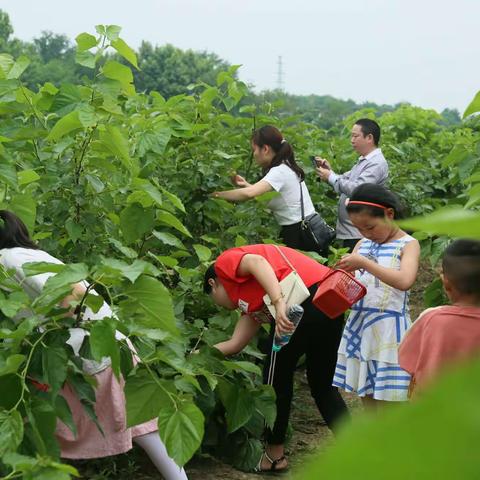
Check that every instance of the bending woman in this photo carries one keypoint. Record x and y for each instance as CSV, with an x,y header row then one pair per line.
x,y
282,174
238,279
17,249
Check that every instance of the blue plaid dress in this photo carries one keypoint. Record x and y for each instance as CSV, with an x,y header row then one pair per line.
x,y
367,360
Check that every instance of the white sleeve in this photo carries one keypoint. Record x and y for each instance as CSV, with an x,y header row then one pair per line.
x,y
16,259
276,177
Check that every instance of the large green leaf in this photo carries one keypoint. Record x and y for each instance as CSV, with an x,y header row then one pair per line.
x,y
104,344
26,208
54,363
455,222
153,300
116,71
85,41
117,144
168,219
474,106
145,398
238,403
11,364
125,51
11,431
181,427
420,432
18,67
136,221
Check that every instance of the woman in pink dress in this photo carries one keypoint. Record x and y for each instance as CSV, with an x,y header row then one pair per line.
x,y
17,249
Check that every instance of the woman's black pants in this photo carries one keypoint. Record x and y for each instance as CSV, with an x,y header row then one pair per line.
x,y
318,337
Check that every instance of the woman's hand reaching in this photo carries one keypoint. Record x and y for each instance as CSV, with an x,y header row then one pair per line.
x,y
239,181
351,262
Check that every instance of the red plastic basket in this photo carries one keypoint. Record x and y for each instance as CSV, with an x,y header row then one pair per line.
x,y
337,293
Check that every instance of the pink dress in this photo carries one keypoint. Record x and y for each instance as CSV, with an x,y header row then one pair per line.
x,y
441,336
110,399
111,414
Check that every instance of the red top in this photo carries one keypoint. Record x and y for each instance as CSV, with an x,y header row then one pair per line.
x,y
441,336
246,292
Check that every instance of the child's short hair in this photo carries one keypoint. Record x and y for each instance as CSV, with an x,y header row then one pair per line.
x,y
461,265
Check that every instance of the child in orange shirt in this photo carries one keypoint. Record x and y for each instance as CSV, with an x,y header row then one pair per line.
x,y
450,333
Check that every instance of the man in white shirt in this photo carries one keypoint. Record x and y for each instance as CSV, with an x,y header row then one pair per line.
x,y
371,167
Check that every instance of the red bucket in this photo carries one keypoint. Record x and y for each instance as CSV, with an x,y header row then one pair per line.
x,y
337,293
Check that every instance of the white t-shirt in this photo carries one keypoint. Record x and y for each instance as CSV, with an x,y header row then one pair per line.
x,y
286,207
14,258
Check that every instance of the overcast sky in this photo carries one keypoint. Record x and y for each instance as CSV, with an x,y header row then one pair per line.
x,y
425,52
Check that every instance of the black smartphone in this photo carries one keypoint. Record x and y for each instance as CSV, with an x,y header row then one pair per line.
x,y
314,161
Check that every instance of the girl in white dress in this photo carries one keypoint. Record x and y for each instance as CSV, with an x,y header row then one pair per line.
x,y
386,262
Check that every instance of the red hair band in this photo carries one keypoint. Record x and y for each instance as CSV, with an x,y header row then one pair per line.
x,y
370,204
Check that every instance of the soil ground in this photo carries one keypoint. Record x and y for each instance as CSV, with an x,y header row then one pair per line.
x,y
310,435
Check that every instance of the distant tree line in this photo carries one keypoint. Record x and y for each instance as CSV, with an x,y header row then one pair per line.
x,y
170,70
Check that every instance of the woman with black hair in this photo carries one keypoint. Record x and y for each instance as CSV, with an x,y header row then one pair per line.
x,y
17,249
282,174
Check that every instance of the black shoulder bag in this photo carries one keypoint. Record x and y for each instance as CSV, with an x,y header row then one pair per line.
x,y
316,234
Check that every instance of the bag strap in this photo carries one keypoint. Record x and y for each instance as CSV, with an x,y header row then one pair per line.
x,y
301,201
286,259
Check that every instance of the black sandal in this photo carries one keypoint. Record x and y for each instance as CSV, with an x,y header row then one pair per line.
x,y
273,467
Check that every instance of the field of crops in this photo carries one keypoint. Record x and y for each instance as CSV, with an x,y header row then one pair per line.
x,y
116,183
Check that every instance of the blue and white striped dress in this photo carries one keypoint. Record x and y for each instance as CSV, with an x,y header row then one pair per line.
x,y
367,360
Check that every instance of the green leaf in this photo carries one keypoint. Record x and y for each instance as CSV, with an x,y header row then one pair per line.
x,y
454,222
11,431
174,200
203,253
8,175
27,176
54,364
11,364
125,51
474,106
117,144
169,239
86,59
18,67
135,221
63,412
145,399
26,208
128,252
181,428
238,404
104,344
422,434
116,71
168,219
85,41
153,299
65,125
112,32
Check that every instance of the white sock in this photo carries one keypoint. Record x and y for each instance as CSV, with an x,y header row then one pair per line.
x,y
155,449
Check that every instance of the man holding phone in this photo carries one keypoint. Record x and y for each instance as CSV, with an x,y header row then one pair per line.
x,y
371,167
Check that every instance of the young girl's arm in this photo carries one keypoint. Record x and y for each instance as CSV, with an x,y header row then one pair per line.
x,y
245,330
401,279
245,193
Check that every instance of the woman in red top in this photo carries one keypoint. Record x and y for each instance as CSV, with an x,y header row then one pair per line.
x,y
239,278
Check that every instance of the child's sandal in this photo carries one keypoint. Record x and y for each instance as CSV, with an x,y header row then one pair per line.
x,y
273,467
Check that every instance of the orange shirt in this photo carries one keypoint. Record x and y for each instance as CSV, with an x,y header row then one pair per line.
x,y
246,292
441,336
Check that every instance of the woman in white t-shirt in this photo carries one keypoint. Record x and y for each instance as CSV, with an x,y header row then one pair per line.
x,y
17,249
281,174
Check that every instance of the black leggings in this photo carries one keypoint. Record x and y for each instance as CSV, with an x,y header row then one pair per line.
x,y
318,337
